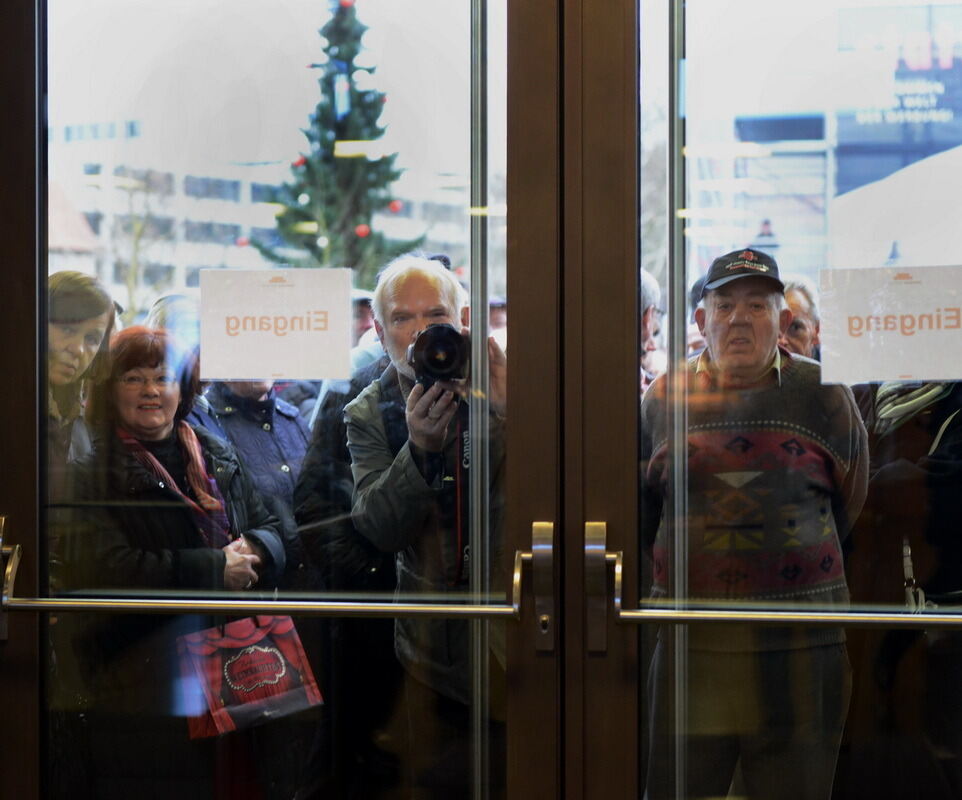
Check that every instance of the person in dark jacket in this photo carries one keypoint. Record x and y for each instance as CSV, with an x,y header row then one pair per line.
x,y
410,448
346,561
160,507
81,318
302,395
905,724
360,675
200,522
271,439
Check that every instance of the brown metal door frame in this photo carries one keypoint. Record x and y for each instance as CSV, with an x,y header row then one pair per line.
x,y
600,369
20,226
534,431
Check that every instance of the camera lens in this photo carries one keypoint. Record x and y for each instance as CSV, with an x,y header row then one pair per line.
x,y
441,357
439,353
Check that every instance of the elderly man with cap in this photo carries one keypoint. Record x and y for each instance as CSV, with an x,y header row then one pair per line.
x,y
777,472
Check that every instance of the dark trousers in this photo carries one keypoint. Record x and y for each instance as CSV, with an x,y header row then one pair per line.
x,y
440,746
778,713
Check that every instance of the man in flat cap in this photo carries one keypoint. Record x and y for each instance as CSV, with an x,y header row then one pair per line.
x,y
777,471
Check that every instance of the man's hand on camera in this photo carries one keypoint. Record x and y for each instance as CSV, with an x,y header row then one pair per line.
x,y
497,378
428,414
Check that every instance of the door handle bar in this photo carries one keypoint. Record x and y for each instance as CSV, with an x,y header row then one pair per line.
x,y
540,557
9,561
597,560
810,619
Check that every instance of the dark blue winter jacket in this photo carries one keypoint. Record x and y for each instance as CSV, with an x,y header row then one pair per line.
x,y
271,440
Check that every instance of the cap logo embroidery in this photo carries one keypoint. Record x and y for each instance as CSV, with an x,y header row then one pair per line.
x,y
748,255
747,265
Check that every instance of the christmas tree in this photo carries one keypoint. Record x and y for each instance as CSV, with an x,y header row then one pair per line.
x,y
338,185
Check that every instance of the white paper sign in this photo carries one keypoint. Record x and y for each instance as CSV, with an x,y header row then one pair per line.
x,y
275,323
891,323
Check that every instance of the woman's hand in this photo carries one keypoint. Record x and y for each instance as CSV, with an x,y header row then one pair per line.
x,y
240,567
249,547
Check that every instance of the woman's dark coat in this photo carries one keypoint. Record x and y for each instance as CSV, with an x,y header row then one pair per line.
x,y
130,534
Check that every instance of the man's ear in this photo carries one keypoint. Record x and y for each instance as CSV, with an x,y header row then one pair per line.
x,y
785,318
466,317
817,340
379,331
700,320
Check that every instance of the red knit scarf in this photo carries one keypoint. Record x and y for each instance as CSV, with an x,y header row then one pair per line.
x,y
207,511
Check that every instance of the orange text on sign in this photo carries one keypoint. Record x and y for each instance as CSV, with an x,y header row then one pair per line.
x,y
942,319
278,324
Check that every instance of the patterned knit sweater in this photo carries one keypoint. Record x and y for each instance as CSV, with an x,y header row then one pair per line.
x,y
776,477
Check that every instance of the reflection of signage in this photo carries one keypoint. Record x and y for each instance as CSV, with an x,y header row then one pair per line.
x,y
277,324
906,57
888,323
934,319
916,101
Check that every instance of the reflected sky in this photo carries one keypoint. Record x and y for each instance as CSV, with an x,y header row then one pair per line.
x,y
217,82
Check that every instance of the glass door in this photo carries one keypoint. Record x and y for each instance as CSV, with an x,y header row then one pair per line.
x,y
754,574
786,592
306,577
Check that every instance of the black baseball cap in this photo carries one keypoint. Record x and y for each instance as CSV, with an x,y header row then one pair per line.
x,y
746,263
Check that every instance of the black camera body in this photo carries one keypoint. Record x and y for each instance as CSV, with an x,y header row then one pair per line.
x,y
439,353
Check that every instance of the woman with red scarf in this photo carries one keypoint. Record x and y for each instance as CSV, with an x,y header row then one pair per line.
x,y
162,508
190,518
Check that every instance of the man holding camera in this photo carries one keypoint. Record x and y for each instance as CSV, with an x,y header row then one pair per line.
x,y
777,473
410,452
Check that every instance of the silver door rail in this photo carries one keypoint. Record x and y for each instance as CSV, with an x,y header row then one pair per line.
x,y
541,558
680,612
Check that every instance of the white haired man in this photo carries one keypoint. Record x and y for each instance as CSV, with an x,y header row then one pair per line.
x,y
777,473
802,335
651,312
410,455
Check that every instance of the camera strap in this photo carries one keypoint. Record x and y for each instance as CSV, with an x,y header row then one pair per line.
x,y
453,500
455,511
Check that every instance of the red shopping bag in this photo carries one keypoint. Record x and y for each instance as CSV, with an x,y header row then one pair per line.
x,y
251,671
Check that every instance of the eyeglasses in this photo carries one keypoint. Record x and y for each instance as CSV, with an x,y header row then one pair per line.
x,y
134,380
